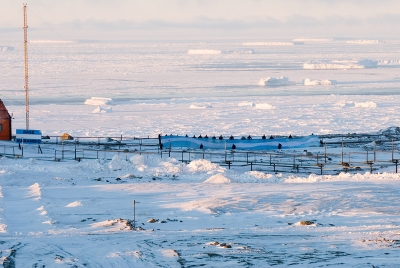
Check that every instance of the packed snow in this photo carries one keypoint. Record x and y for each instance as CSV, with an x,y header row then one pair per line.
x,y
365,42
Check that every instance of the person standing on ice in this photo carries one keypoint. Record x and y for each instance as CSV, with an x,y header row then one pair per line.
x,y
233,146
290,136
279,146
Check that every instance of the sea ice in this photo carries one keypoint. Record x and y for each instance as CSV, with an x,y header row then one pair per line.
x,y
309,82
99,101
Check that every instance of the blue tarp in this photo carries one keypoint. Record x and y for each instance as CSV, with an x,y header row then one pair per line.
x,y
248,144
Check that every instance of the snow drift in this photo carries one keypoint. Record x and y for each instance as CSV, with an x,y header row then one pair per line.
x,y
197,106
204,52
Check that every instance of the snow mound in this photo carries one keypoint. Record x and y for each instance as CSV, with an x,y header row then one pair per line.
x,y
368,104
74,204
269,44
205,106
309,82
169,253
338,64
204,52
102,110
247,103
202,165
390,131
264,106
118,162
35,191
365,42
275,81
114,225
218,178
99,101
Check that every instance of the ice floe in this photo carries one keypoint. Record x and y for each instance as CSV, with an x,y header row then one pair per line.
x,y
276,81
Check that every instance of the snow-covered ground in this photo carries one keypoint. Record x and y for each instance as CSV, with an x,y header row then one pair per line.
x,y
77,214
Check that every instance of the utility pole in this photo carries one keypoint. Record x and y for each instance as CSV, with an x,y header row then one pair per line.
x,y
26,66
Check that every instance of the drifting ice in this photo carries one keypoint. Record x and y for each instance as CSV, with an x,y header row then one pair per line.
x,y
309,82
102,110
276,82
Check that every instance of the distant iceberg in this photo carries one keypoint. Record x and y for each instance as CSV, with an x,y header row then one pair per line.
x,y
97,101
276,82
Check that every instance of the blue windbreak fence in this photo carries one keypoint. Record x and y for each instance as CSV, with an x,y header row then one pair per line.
x,y
248,144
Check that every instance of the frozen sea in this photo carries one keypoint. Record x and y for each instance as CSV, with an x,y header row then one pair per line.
x,y
78,214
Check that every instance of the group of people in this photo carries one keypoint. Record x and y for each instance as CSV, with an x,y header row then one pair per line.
x,y
232,138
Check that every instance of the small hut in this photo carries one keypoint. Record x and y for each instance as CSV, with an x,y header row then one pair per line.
x,y
5,123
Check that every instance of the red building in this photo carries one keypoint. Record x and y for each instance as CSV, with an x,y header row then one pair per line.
x,y
5,123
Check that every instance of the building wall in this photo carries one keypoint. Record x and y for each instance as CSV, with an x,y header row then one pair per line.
x,y
5,123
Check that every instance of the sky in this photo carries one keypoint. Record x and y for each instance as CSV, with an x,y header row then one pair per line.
x,y
201,19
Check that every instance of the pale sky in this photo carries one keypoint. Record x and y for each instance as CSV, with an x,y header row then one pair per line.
x,y
201,19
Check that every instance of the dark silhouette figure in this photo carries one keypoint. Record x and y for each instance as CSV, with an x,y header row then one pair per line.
x,y
249,137
271,137
186,135
201,146
243,138
194,136
200,136
221,138
231,137
214,137
233,146
321,143
263,137
290,136
161,146
206,136
279,146
166,135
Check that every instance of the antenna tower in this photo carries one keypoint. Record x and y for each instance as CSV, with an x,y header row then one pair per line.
x,y
26,66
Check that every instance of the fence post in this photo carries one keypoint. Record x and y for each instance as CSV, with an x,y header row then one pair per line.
x,y
182,156
392,149
342,150
251,166
374,151
247,157
325,151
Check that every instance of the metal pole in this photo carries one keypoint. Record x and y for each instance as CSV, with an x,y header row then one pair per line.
x,y
325,151
342,150
26,66
374,151
393,149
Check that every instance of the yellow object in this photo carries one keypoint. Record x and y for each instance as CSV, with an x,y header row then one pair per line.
x,y
66,136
